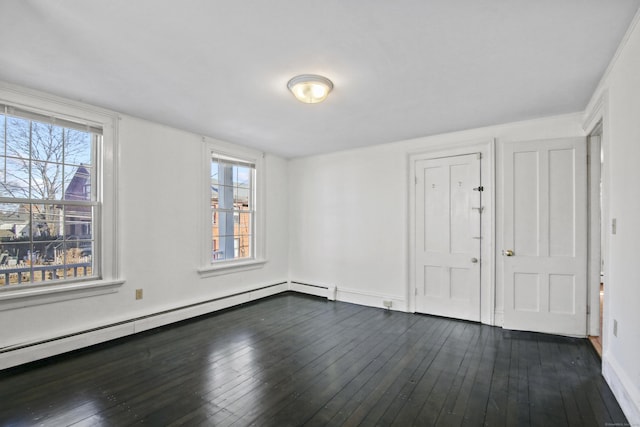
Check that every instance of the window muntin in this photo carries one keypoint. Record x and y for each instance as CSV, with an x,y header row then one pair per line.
x,y
232,208
48,202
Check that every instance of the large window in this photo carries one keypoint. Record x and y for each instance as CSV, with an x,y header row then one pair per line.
x,y
232,192
49,202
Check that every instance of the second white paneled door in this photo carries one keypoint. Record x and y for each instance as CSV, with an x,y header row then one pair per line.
x,y
447,252
544,188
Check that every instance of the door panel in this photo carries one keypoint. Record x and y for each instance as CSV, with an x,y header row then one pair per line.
x,y
544,225
448,237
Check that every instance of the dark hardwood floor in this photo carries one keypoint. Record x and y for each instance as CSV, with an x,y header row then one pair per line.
x,y
297,360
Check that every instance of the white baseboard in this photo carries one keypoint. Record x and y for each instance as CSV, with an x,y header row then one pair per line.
x,y
30,352
54,347
626,393
353,296
370,299
498,319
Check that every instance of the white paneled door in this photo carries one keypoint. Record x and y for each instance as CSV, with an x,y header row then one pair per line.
x,y
544,260
447,253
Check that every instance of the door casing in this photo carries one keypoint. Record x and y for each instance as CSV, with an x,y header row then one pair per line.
x,y
486,147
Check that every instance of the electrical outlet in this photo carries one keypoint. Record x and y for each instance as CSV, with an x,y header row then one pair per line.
x,y
138,293
615,328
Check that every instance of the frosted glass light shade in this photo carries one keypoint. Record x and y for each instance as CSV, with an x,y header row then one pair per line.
x,y
309,88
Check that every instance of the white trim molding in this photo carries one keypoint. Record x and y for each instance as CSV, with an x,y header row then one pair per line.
x,y
595,98
38,295
626,393
371,299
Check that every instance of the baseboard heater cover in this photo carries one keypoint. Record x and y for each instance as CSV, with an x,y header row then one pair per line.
x,y
4,351
319,290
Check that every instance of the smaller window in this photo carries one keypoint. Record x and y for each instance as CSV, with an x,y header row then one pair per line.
x,y
232,196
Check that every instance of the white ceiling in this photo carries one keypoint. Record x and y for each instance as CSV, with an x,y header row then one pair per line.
x,y
401,69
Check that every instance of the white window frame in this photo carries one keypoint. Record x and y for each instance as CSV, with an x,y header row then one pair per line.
x,y
209,268
106,223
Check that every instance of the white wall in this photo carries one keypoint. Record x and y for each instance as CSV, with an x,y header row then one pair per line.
x,y
617,100
160,188
349,212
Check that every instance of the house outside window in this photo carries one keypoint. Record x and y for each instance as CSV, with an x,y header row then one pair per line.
x,y
48,202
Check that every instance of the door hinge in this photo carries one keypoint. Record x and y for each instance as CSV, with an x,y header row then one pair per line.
x,y
415,179
481,188
588,310
416,289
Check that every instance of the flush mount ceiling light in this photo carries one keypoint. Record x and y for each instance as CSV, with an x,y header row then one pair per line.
x,y
310,88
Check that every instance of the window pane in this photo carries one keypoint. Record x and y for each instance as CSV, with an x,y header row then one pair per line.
x,y
244,224
2,124
44,250
77,183
225,197
215,189
45,180
244,246
214,171
46,221
78,222
46,142
14,221
241,197
18,137
243,176
15,178
78,147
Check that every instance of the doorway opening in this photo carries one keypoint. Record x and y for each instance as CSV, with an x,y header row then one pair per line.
x,y
596,274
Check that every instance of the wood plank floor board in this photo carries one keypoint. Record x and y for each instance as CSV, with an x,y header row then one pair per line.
x,y
518,409
370,388
452,410
330,374
423,403
283,373
354,409
378,401
330,396
299,360
497,400
292,376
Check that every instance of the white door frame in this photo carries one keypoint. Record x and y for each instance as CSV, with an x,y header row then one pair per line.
x,y
598,115
486,148
594,236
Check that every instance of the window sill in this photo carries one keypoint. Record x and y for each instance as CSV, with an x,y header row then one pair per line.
x,y
231,267
37,295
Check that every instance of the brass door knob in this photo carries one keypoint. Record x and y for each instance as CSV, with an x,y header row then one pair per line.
x,y
508,252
